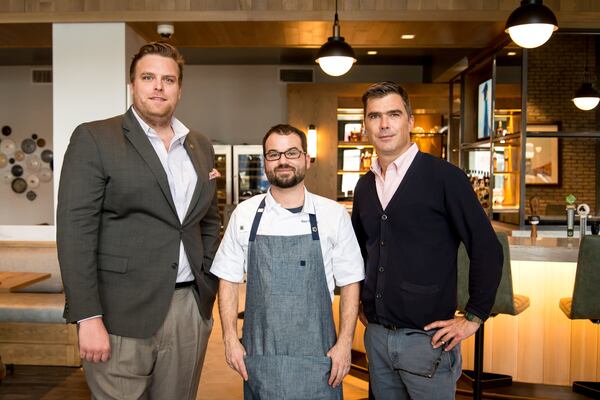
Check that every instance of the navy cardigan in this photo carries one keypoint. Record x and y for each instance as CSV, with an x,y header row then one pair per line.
x,y
410,248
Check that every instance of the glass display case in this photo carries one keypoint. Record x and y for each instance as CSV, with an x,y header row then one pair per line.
x,y
223,165
249,176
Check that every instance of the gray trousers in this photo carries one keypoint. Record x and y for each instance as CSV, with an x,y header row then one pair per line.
x,y
164,366
401,360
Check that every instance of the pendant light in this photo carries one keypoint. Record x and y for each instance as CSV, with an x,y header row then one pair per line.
x,y
532,24
336,56
586,97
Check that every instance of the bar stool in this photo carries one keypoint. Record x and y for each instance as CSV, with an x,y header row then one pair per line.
x,y
506,302
585,304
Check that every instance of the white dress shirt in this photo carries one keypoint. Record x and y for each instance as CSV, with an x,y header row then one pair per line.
x,y
341,254
181,176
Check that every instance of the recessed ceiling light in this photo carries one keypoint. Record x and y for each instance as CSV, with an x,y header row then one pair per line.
x,y
511,53
407,36
372,52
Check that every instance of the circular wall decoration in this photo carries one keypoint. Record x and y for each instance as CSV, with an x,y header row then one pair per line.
x,y
34,136
3,160
41,142
8,147
19,155
33,162
17,170
19,185
28,146
45,174
31,195
47,156
33,181
7,177
6,130
11,160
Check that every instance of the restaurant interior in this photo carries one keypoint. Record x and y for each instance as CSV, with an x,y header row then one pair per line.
x,y
520,118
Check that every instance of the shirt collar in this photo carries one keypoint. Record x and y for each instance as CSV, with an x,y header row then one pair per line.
x,y
272,204
407,155
179,129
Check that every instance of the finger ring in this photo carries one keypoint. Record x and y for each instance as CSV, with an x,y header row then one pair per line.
x,y
443,342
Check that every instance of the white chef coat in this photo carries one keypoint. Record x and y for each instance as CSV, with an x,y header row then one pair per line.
x,y
341,254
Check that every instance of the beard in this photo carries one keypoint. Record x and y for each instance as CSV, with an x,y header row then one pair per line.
x,y
287,181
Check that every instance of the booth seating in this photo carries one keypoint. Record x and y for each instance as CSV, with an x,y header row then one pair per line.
x,y
32,329
585,303
506,302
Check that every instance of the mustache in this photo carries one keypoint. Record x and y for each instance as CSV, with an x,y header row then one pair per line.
x,y
286,166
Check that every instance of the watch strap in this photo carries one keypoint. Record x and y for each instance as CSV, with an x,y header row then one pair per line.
x,y
473,318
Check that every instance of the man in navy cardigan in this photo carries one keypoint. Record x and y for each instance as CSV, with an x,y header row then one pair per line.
x,y
410,213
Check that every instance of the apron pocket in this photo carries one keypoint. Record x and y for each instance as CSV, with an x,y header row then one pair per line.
x,y
415,354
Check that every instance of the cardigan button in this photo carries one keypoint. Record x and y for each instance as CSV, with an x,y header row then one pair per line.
x,y
384,217
381,269
378,296
382,243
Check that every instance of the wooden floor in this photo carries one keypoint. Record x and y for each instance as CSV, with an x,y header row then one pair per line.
x,y
218,382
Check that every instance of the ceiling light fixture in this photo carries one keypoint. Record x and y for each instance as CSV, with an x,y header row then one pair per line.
x,y
511,53
531,24
586,97
407,37
372,52
336,56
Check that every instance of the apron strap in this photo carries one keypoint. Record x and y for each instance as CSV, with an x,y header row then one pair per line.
x,y
257,217
314,230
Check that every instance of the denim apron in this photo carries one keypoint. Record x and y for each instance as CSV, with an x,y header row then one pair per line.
x,y
288,321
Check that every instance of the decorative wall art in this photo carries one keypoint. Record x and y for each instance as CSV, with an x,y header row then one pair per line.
x,y
24,165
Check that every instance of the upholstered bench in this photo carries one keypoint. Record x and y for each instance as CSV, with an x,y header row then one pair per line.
x,y
32,329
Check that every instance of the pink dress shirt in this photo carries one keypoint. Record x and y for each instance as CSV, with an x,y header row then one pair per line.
x,y
387,186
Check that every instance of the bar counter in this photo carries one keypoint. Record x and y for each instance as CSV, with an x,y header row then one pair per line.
x,y
541,345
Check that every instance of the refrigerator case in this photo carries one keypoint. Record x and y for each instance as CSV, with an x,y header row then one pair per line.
x,y
223,165
249,176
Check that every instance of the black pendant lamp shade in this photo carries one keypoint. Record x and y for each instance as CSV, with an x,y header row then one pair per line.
x,y
532,24
336,56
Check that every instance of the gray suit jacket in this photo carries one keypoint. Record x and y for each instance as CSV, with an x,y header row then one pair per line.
x,y
118,233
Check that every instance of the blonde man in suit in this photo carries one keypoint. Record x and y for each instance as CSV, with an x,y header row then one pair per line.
x,y
137,228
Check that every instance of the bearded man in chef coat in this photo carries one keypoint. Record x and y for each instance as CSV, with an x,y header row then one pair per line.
x,y
295,247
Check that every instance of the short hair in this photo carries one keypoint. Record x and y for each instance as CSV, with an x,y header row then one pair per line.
x,y
161,49
383,89
285,129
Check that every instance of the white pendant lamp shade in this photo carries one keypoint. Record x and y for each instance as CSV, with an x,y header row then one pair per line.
x,y
532,35
336,56
586,97
335,65
532,24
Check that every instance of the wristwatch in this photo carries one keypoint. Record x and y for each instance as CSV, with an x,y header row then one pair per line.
x,y
473,318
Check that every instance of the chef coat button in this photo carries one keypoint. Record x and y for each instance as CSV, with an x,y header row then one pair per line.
x,y
381,269
384,217
174,265
378,296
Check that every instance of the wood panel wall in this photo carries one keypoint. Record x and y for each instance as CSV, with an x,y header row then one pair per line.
x,y
317,104
541,345
572,13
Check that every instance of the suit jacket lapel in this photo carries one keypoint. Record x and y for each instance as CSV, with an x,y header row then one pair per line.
x,y
140,141
201,168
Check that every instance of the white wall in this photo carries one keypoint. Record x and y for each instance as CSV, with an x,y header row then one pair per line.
x,y
27,109
232,104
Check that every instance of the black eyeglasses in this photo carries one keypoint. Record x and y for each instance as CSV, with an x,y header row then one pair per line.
x,y
290,154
